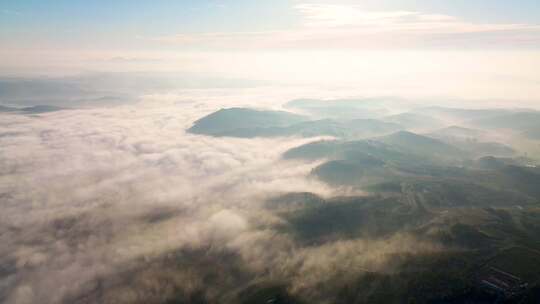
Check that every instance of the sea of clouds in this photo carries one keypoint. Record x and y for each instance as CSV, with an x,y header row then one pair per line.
x,y
101,204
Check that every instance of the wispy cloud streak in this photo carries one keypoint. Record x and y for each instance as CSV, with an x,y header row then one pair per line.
x,y
348,26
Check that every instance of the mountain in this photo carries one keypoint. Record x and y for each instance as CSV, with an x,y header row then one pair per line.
x,y
399,147
414,121
482,239
485,148
496,163
422,145
526,124
41,109
368,162
248,123
241,122
532,133
349,129
461,115
31,110
470,140
294,201
340,172
8,109
345,108
315,150
373,126
521,121
444,174
351,217
354,151
457,132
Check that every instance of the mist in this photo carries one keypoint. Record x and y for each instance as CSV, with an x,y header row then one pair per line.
x,y
90,193
287,152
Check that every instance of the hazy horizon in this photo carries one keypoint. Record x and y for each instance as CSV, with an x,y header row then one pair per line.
x,y
258,152
486,50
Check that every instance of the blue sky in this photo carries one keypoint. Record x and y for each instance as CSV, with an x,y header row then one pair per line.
x,y
145,17
473,10
292,24
167,16
300,39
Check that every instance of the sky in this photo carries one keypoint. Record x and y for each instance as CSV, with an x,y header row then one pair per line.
x,y
365,42
114,182
84,24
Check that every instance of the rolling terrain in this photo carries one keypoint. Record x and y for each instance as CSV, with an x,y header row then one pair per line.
x,y
440,175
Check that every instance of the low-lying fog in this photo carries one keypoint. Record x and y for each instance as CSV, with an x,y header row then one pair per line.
x,y
121,205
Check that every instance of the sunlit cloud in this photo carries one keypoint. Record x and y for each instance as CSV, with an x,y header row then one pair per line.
x,y
349,26
326,15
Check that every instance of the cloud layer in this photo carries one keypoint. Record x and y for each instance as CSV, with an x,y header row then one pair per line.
x,y
90,196
338,26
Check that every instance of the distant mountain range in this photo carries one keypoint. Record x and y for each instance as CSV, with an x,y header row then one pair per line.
x,y
345,108
525,123
382,154
248,123
415,121
30,110
348,119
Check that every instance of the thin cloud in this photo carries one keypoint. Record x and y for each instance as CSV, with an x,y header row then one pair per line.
x,y
95,179
349,26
